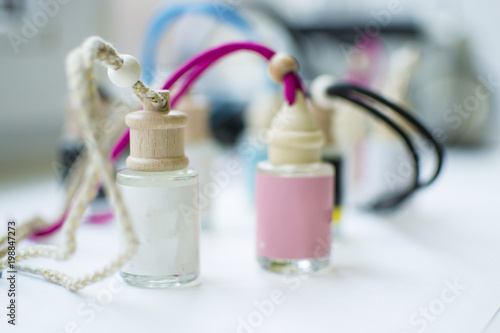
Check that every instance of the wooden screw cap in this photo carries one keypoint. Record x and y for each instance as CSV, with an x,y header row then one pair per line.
x,y
198,111
157,138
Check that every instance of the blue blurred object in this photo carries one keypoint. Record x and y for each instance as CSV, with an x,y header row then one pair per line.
x,y
226,119
164,19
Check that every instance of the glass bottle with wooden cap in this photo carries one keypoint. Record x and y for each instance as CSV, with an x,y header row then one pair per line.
x,y
201,149
161,195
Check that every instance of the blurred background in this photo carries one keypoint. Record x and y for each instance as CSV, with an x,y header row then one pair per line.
x,y
438,57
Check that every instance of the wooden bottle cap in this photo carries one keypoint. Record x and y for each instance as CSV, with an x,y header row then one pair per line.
x,y
198,111
157,138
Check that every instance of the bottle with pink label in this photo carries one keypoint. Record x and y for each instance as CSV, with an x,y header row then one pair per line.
x,y
294,195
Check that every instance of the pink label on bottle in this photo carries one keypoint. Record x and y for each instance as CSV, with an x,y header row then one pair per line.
x,y
293,216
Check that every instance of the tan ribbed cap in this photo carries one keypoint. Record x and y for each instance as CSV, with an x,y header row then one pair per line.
x,y
294,137
157,138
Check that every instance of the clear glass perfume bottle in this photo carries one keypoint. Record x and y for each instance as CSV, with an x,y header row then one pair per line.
x,y
201,149
162,208
294,195
161,196
202,155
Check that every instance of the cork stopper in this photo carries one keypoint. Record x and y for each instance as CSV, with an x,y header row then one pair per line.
x,y
294,137
198,111
156,138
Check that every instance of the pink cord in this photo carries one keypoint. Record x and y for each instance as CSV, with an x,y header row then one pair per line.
x,y
216,53
193,68
100,218
52,228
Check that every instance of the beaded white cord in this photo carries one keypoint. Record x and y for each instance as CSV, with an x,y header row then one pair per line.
x,y
83,95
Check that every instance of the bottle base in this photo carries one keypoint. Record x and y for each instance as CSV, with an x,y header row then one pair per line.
x,y
293,266
161,281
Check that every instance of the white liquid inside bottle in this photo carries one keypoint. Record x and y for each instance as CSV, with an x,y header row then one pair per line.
x,y
164,211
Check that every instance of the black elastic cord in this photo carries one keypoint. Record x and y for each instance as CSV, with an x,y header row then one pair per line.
x,y
345,91
438,147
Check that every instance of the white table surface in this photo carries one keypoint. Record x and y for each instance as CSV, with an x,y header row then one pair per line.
x,y
383,270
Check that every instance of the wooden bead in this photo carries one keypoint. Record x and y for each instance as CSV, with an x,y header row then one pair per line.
x,y
280,65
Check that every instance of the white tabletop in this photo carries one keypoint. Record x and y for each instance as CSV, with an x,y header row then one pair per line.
x,y
440,255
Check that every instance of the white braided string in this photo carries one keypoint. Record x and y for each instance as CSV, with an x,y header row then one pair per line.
x,y
142,91
83,93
